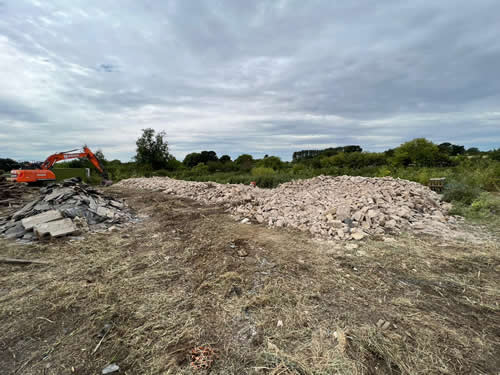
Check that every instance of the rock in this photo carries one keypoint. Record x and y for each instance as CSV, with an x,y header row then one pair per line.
x,y
109,369
29,236
358,216
340,233
242,253
105,212
391,224
245,221
259,218
116,204
358,235
16,231
351,246
343,212
337,224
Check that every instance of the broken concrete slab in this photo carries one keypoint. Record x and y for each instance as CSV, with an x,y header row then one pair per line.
x,y
56,228
29,222
58,193
24,211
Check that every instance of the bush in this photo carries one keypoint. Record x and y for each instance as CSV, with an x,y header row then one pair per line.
x,y
486,203
161,173
486,209
200,169
456,191
273,162
214,166
266,182
262,171
298,168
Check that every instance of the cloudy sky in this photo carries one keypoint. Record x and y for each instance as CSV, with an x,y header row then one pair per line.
x,y
263,77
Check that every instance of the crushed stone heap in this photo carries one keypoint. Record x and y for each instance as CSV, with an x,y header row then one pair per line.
x,y
70,207
342,208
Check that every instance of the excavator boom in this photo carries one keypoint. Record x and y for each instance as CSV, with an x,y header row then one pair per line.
x,y
45,173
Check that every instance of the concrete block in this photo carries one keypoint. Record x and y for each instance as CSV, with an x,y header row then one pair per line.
x,y
56,228
44,217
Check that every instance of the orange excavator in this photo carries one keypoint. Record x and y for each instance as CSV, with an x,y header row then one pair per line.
x,y
44,173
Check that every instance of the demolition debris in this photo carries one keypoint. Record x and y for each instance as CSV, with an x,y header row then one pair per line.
x,y
64,209
341,208
10,193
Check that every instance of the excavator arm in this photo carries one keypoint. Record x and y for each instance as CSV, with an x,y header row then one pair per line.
x,y
67,155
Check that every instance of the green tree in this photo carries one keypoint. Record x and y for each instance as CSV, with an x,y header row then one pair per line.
x,y
473,151
9,164
207,156
173,164
244,162
418,151
100,156
152,149
225,158
451,149
495,154
273,162
193,159
352,148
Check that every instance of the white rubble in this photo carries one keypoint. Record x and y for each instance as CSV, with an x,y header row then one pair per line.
x,y
343,207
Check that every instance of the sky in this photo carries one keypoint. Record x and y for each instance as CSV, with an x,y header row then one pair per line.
x,y
239,76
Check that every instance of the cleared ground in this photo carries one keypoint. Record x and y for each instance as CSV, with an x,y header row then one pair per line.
x,y
268,301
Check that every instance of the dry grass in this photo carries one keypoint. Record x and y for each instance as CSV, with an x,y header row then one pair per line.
x,y
292,305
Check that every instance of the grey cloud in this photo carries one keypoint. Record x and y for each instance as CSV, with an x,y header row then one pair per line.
x,y
248,76
11,110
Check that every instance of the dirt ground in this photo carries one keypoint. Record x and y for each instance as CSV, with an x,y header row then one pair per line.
x,y
266,301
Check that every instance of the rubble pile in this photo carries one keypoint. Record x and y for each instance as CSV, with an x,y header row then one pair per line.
x,y
10,192
64,209
343,207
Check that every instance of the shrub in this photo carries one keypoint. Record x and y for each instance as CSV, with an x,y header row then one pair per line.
x,y
457,191
485,208
273,162
262,171
298,168
161,173
486,203
383,172
214,166
200,169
